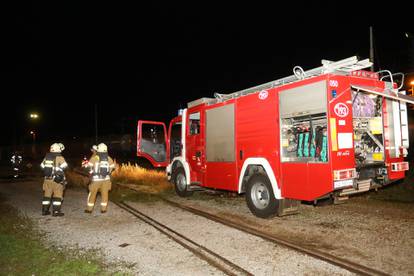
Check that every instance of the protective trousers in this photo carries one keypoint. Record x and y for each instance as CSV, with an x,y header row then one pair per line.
x,y
102,186
52,193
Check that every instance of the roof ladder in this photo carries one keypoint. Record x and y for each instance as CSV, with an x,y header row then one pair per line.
x,y
342,66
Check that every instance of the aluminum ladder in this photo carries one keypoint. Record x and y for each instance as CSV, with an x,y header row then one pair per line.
x,y
344,66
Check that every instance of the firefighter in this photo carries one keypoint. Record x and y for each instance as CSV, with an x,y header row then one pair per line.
x,y
53,166
101,165
16,161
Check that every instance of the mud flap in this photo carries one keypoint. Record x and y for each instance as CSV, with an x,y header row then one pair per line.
x,y
288,207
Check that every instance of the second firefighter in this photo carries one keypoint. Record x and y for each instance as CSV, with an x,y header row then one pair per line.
x,y
100,167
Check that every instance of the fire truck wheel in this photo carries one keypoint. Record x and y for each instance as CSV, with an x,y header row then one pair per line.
x,y
260,198
180,182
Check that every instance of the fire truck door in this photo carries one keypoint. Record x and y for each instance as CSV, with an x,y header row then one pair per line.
x,y
151,142
195,146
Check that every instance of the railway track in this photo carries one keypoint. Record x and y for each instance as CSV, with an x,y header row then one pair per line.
x,y
227,266
337,261
197,249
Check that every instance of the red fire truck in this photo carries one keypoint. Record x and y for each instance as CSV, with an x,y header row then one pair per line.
x,y
330,132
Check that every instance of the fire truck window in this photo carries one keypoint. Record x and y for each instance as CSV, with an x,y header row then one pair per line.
x,y
175,140
303,113
220,134
194,123
153,141
304,138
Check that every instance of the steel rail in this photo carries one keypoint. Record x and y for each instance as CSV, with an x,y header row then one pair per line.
x,y
337,261
197,249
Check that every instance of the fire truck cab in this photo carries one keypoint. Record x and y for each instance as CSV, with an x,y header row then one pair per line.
x,y
328,132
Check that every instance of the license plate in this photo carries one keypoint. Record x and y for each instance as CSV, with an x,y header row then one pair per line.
x,y
343,183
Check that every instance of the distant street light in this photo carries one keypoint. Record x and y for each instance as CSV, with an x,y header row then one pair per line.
x,y
34,115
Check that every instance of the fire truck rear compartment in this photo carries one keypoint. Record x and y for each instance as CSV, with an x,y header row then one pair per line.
x,y
303,138
368,138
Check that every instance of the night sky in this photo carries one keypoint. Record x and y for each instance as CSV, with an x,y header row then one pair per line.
x,y
147,61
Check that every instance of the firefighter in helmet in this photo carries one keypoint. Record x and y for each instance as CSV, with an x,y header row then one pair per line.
x,y
101,166
53,166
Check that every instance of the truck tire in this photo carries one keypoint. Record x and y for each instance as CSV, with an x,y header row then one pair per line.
x,y
180,182
260,198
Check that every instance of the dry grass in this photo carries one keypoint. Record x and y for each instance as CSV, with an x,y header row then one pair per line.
x,y
147,181
127,175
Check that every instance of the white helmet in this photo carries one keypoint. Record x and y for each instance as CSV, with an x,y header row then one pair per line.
x,y
56,147
94,148
102,148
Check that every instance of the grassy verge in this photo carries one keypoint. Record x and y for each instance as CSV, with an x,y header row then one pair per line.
x,y
134,183
139,184
149,180
22,252
122,193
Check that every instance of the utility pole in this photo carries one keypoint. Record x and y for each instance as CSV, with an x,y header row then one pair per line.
x,y
96,124
371,47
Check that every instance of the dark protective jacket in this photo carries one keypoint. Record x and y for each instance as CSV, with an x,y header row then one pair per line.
x,y
101,165
53,166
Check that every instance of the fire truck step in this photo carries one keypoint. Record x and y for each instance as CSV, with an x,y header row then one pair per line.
x,y
361,187
340,199
194,187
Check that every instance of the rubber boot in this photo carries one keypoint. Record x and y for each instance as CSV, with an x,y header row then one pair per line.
x,y
57,207
45,210
45,206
